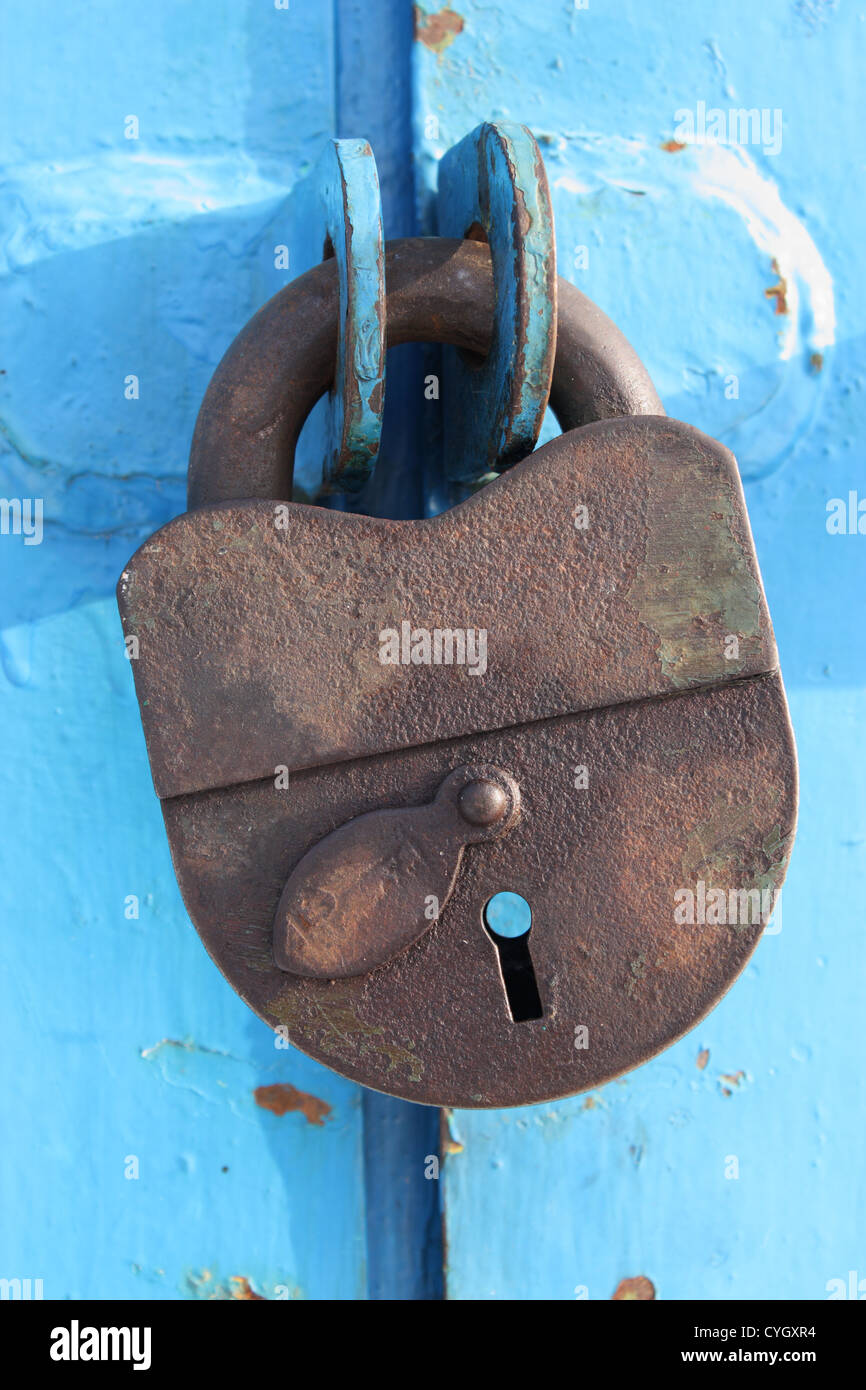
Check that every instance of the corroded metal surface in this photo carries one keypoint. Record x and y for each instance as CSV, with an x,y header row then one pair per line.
x,y
698,788
292,635
438,291
493,187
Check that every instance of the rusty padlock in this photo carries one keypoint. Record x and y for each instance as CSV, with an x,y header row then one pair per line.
x,y
343,805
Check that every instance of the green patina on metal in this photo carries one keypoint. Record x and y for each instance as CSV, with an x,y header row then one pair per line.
x,y
712,595
340,1033
777,849
715,853
637,969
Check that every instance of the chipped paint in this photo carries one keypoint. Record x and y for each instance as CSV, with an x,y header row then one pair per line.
x,y
339,203
439,29
237,1288
727,173
702,1058
638,1288
495,180
779,291
281,1098
241,1288
729,1082
218,1076
448,1141
738,385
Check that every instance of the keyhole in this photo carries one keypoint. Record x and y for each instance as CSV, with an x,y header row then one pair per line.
x,y
508,919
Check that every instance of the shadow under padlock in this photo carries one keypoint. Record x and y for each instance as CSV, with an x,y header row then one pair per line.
x,y
344,808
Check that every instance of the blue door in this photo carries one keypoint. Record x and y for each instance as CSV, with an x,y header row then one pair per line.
x,y
160,1142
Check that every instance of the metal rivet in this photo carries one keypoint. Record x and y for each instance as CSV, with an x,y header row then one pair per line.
x,y
483,803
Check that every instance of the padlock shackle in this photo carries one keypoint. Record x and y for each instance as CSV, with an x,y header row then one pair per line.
x,y
438,290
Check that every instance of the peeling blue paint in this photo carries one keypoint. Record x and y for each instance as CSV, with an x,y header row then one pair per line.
x,y
340,204
494,410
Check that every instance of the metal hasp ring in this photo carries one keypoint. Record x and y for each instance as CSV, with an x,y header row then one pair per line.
x,y
493,187
437,291
338,212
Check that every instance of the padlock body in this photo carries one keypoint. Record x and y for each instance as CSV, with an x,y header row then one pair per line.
x,y
626,634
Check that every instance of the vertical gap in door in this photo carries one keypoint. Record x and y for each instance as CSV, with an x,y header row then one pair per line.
x,y
373,100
